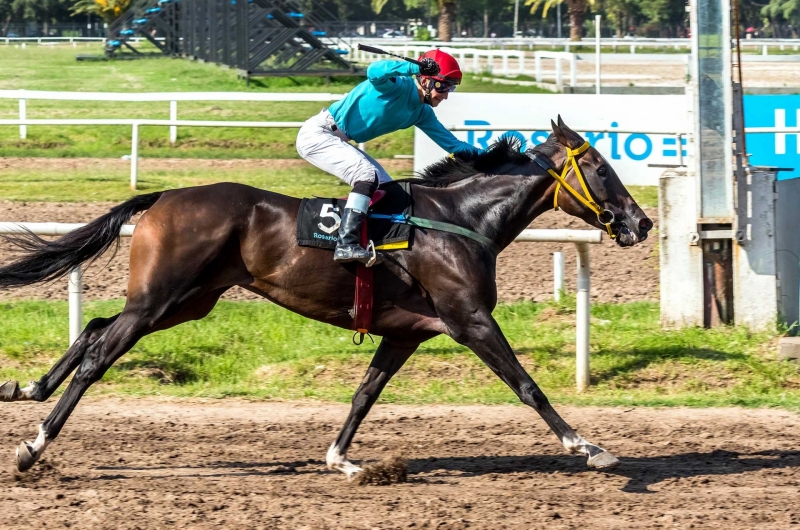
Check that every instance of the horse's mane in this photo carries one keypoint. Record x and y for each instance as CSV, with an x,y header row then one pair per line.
x,y
467,164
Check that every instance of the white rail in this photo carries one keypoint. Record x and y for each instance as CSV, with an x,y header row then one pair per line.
x,y
581,238
530,43
168,96
558,56
173,97
173,123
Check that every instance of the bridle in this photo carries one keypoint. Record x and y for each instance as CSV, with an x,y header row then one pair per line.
x,y
561,180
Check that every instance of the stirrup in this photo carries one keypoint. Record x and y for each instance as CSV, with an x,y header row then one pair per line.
x,y
374,257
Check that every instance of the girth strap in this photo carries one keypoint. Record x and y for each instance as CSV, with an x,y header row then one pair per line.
x,y
440,226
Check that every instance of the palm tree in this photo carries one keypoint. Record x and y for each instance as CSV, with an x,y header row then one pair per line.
x,y
108,10
447,19
576,9
446,9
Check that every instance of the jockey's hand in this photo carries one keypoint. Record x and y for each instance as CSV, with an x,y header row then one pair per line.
x,y
428,67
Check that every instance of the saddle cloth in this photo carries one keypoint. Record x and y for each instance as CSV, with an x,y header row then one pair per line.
x,y
319,218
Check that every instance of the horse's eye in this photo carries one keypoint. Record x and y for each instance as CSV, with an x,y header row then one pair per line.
x,y
602,171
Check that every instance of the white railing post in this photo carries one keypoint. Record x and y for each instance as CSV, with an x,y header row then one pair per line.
x,y
521,57
134,155
559,83
490,61
173,116
597,53
505,63
573,70
582,318
476,67
23,115
537,60
75,305
558,275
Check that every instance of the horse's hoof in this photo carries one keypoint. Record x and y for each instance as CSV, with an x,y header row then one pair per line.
x,y
25,459
604,460
9,391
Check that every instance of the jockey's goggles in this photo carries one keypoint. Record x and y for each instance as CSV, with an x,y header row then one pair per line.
x,y
442,86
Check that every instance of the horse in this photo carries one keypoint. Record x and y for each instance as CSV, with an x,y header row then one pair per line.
x,y
193,244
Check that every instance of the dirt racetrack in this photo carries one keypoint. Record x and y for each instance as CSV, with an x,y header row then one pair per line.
x,y
147,463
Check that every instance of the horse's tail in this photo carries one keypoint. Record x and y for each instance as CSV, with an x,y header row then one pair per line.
x,y
49,260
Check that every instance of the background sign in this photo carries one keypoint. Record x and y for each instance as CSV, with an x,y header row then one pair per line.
x,y
779,149
629,153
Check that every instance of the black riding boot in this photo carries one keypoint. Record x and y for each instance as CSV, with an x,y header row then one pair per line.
x,y
348,246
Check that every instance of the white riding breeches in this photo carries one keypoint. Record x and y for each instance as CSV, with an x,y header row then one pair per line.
x,y
329,149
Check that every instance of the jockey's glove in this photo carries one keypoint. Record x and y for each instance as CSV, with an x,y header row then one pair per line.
x,y
428,66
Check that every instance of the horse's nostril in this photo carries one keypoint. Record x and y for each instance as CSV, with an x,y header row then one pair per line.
x,y
645,224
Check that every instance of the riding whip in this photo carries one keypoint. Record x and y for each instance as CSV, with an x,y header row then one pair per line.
x,y
372,49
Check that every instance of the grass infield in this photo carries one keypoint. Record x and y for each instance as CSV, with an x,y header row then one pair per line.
x,y
258,350
55,68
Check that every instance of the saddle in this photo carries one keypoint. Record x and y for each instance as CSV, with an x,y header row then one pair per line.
x,y
319,218
318,223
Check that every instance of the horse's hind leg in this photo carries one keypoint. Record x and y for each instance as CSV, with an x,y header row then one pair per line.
x,y
128,328
388,359
42,389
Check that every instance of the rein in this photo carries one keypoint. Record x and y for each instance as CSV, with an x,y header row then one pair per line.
x,y
561,180
440,226
544,163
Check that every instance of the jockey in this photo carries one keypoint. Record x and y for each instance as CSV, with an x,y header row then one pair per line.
x,y
389,100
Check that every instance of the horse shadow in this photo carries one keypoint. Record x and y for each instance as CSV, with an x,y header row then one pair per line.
x,y
641,358
641,472
637,358
216,469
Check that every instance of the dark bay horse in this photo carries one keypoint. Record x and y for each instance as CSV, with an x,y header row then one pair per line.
x,y
193,244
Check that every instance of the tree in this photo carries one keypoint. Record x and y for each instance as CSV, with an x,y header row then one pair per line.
x,y
664,17
108,10
788,10
576,9
446,9
622,14
8,12
44,12
447,19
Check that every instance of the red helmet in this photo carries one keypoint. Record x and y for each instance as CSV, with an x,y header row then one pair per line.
x,y
449,71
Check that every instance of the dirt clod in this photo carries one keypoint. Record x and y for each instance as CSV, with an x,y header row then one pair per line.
x,y
392,470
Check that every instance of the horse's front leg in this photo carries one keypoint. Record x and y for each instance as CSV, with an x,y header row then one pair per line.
x,y
480,333
390,356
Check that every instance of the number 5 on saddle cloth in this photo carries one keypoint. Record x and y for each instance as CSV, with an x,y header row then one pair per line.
x,y
319,218
318,223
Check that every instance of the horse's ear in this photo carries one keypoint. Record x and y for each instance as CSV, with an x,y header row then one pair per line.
x,y
571,138
560,136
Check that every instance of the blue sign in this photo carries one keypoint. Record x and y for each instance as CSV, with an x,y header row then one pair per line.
x,y
774,149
